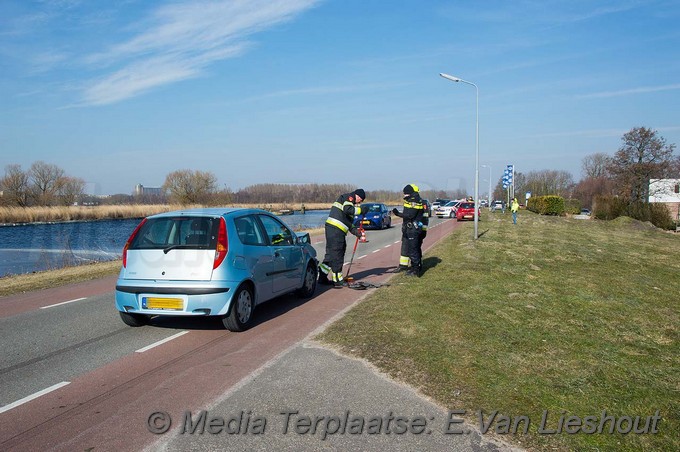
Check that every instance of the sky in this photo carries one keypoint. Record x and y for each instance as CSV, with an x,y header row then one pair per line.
x,y
123,92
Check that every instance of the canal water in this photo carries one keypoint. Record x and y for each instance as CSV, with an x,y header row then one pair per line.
x,y
36,247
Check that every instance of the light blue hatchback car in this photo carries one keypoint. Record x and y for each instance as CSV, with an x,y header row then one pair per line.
x,y
212,262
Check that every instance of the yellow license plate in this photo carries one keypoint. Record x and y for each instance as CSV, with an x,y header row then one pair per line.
x,y
366,222
163,303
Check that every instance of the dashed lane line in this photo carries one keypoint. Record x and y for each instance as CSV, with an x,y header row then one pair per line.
x,y
62,303
163,341
33,396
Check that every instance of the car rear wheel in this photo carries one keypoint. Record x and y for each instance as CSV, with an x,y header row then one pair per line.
x,y
309,283
134,319
241,311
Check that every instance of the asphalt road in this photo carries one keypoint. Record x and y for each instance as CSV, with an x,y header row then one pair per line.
x,y
74,377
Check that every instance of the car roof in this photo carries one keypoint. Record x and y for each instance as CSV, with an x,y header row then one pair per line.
x,y
208,212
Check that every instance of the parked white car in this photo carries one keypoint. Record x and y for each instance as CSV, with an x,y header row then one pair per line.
x,y
448,210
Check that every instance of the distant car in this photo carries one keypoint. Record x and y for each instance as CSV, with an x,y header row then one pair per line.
x,y
466,211
438,203
376,216
498,205
448,210
585,212
220,262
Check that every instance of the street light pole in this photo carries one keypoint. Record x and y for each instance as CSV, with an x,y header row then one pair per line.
x,y
476,203
489,166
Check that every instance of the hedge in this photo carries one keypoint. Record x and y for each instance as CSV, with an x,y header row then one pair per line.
x,y
546,205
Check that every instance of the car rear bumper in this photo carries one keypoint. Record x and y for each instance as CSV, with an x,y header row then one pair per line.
x,y
186,299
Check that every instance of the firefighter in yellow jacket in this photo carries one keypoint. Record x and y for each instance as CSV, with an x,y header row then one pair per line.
x,y
412,233
340,221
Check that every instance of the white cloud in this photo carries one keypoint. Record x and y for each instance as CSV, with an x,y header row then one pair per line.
x,y
627,92
180,41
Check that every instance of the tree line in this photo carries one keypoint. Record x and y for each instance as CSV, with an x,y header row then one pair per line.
x,y
643,155
43,184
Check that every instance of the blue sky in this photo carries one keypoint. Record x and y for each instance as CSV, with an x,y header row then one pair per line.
x,y
345,91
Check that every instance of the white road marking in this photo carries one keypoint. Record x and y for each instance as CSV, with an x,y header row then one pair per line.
x,y
63,302
156,344
397,242
387,246
33,396
361,257
376,251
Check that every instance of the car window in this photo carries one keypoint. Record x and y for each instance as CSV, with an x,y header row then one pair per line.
x,y
277,232
248,231
371,208
189,232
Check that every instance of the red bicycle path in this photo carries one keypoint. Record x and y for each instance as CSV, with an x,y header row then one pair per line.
x,y
108,408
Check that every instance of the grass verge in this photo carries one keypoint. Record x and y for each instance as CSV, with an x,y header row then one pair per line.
x,y
566,316
13,284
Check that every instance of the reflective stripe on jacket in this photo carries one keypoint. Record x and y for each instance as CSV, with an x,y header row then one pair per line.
x,y
343,212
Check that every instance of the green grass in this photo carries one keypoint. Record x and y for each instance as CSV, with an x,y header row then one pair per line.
x,y
556,314
14,284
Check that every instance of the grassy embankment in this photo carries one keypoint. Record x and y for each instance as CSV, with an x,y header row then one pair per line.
x,y
79,213
570,316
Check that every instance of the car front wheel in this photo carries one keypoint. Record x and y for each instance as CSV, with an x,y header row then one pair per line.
x,y
241,311
309,283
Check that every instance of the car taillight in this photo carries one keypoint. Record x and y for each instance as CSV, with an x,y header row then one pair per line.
x,y
127,244
222,244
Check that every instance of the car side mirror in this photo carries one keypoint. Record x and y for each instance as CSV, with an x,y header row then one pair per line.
x,y
303,238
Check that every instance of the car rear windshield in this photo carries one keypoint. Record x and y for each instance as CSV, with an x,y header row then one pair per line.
x,y
179,232
467,205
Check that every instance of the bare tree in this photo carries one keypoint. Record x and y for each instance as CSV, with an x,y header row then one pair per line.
x,y
190,187
549,182
595,165
45,182
71,189
644,155
14,186
591,187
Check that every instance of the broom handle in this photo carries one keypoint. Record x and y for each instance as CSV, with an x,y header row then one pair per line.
x,y
356,242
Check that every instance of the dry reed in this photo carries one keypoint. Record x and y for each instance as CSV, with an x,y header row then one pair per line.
x,y
9,215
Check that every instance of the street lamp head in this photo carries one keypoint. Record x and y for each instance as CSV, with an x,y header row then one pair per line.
x,y
450,77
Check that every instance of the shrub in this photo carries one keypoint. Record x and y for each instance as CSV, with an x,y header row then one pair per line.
x,y
572,206
609,208
546,205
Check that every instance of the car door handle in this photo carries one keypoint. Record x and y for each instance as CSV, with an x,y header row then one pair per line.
x,y
277,254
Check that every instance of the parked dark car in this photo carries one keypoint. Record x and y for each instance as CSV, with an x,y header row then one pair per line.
x,y
374,216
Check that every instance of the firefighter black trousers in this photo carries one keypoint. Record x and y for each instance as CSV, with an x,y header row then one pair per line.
x,y
335,248
411,242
